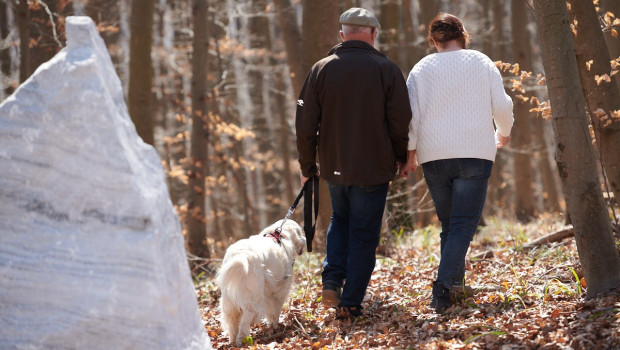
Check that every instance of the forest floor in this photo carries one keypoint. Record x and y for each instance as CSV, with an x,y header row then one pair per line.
x,y
534,299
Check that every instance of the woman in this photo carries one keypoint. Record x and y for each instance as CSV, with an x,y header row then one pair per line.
x,y
455,96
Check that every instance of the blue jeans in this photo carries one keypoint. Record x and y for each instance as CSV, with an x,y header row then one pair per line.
x,y
458,188
352,239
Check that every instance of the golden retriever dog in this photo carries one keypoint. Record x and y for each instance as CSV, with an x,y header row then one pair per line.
x,y
256,278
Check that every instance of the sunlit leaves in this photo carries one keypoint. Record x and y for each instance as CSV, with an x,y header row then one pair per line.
x,y
537,301
611,23
602,78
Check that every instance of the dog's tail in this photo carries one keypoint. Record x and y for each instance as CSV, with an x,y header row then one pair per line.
x,y
233,276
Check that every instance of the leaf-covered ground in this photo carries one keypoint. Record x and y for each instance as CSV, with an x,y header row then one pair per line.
x,y
533,299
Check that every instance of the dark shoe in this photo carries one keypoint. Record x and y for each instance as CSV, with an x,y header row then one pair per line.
x,y
346,312
441,298
331,297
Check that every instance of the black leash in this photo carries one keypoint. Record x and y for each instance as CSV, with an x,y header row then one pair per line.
x,y
310,187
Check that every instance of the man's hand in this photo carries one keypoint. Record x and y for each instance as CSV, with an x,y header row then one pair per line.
x,y
410,166
501,141
303,179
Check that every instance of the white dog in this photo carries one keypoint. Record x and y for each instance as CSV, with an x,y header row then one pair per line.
x,y
256,277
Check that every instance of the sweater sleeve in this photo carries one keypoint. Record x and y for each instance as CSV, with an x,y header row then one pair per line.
x,y
415,112
501,102
307,119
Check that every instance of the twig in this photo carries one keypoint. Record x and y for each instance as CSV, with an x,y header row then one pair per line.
x,y
301,327
273,336
49,13
550,238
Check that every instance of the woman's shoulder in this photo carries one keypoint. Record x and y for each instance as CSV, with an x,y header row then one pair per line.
x,y
477,55
425,61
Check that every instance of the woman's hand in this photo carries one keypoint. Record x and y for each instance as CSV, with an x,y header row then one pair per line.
x,y
501,141
410,166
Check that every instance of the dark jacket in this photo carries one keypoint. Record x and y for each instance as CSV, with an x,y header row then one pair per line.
x,y
355,109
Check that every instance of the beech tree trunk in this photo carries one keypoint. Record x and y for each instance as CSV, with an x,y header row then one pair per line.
x,y
613,43
5,57
320,17
139,97
196,217
499,39
548,173
521,141
410,34
574,155
46,32
22,14
106,15
604,97
286,15
398,207
496,196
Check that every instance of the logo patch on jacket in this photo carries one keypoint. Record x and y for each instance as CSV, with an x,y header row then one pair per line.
x,y
300,103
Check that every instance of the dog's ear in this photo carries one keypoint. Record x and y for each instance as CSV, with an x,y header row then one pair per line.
x,y
295,234
300,240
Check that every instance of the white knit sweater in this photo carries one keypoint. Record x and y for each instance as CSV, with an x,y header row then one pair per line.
x,y
455,96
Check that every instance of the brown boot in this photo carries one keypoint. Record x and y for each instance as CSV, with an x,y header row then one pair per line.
x,y
331,298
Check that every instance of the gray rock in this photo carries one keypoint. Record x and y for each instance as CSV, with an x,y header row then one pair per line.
x,y
91,250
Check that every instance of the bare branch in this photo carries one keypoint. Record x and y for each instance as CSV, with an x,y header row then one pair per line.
x,y
49,13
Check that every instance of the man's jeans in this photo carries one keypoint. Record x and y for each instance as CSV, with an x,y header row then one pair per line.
x,y
458,188
352,238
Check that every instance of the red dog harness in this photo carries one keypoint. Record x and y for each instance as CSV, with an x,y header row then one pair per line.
x,y
275,235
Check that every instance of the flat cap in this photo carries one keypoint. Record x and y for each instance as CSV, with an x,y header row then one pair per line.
x,y
359,17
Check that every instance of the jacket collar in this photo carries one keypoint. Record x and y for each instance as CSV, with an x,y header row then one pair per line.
x,y
354,44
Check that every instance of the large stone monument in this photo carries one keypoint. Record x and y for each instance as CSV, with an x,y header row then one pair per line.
x,y
91,250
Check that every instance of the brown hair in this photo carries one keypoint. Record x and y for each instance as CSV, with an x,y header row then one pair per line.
x,y
446,27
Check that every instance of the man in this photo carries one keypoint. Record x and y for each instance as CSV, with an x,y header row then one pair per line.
x,y
354,109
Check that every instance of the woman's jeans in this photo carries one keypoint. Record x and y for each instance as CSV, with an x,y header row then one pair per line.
x,y
458,188
352,239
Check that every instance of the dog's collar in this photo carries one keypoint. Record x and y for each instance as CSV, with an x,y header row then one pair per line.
x,y
276,236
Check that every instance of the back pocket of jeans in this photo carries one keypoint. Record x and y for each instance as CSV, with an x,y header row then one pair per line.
x,y
475,168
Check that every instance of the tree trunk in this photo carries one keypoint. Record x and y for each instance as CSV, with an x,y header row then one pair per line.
x,y
352,3
525,209
499,45
106,15
485,14
574,156
5,56
413,53
292,42
604,97
139,98
390,19
196,219
286,15
46,32
428,11
257,65
548,174
284,138
613,43
22,14
397,206
497,188
241,112
320,17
